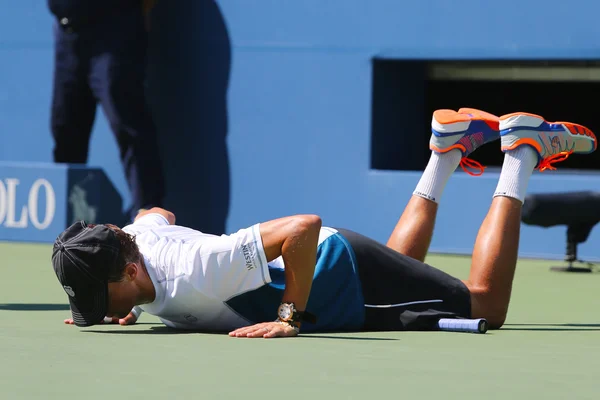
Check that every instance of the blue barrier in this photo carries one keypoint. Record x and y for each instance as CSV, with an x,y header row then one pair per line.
x,y
38,200
264,107
463,207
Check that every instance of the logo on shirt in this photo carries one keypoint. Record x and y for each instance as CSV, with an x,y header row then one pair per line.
x,y
249,251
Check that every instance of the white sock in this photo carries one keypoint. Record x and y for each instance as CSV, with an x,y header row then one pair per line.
x,y
439,169
516,170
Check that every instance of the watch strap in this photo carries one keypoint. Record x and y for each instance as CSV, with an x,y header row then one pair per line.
x,y
305,316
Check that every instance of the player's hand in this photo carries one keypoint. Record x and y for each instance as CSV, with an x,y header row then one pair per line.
x,y
265,330
130,319
107,320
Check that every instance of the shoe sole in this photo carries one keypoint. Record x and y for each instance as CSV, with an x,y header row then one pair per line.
x,y
446,122
493,120
527,120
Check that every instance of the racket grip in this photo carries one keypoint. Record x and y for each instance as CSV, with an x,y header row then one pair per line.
x,y
479,325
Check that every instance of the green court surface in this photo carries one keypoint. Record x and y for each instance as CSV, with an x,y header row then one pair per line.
x,y
549,349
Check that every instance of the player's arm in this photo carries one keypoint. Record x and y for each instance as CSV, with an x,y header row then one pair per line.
x,y
295,239
157,210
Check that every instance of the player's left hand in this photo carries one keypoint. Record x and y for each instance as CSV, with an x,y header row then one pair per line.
x,y
130,319
265,330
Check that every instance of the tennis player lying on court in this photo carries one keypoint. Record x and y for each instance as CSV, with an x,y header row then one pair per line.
x,y
272,279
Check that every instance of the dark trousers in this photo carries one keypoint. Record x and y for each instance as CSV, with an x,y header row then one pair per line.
x,y
105,62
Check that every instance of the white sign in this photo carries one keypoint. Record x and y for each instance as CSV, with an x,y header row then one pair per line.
x,y
20,216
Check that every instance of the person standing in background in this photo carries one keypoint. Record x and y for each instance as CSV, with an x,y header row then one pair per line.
x,y
100,57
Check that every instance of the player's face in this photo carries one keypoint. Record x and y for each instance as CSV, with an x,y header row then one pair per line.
x,y
120,299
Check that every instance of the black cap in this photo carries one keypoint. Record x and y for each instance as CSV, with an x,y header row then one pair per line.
x,y
81,258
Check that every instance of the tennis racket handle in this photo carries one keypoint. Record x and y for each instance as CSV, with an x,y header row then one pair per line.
x,y
479,325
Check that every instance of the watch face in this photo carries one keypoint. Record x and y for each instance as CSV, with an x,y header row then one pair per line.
x,y
285,312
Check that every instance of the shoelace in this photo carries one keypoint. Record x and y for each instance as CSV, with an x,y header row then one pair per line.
x,y
466,162
546,163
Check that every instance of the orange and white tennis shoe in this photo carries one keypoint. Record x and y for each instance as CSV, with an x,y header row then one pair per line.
x,y
553,141
466,130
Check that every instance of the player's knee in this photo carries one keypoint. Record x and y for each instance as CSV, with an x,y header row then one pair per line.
x,y
485,303
494,314
496,321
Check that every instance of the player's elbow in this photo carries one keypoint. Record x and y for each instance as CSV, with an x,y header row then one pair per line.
x,y
307,223
165,213
170,217
303,226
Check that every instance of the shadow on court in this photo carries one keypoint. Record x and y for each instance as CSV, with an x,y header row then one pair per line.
x,y
163,330
153,330
551,327
33,307
310,336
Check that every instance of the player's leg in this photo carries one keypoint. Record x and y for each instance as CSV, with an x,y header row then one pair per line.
x,y
73,105
528,141
454,136
402,293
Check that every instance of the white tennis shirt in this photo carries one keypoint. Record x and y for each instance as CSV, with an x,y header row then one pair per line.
x,y
194,273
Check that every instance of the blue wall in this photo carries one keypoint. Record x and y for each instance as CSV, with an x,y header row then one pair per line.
x,y
272,106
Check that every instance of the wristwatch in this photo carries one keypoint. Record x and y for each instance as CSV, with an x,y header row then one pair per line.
x,y
288,313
